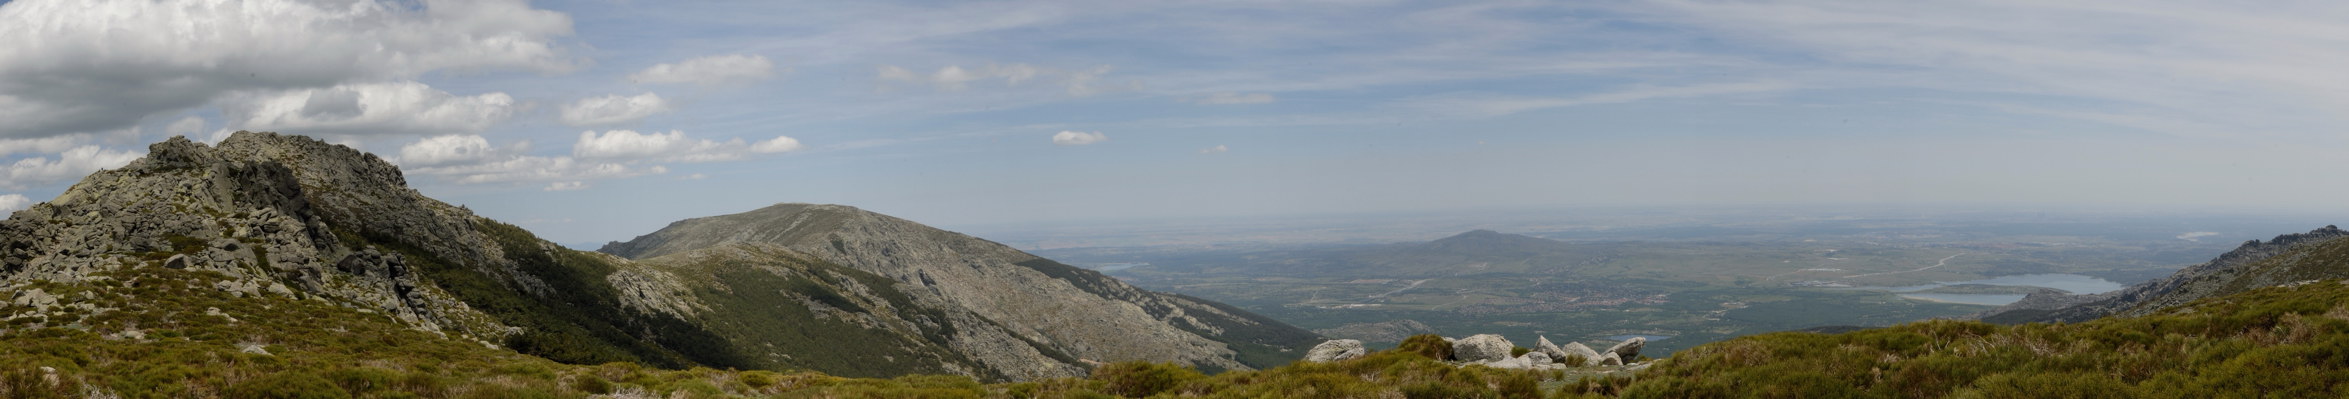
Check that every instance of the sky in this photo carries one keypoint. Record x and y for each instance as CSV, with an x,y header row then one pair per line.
x,y
599,120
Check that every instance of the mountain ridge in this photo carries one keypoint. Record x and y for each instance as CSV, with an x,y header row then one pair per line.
x,y
999,281
291,217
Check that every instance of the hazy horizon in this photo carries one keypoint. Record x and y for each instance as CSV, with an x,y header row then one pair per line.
x,y
590,121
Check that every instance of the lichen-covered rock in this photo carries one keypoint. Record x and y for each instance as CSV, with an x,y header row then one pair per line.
x,y
1482,348
1335,350
1577,349
1629,348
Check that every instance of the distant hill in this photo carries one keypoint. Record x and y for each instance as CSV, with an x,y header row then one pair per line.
x,y
1057,307
2316,255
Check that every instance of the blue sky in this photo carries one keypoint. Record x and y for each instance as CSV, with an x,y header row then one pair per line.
x,y
598,120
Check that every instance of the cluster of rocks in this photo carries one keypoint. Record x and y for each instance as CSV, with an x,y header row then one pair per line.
x,y
1492,350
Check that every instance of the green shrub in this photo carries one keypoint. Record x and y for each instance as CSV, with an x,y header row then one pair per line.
x,y
363,379
287,385
1428,345
591,384
1138,379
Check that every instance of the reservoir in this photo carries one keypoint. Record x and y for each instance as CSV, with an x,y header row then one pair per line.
x,y
2074,283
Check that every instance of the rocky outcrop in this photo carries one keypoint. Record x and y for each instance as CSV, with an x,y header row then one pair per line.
x,y
1024,299
2285,259
1493,350
1482,348
262,209
1629,348
1335,350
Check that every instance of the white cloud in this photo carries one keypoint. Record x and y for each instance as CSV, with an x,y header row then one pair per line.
x,y
954,77
105,64
1217,149
1071,137
1485,106
613,109
2191,68
40,145
566,186
14,202
711,70
72,164
188,126
777,144
541,169
369,108
454,149
674,146
1231,98
696,176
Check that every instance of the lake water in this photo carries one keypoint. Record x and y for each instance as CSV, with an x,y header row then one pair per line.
x,y
2075,283
1651,338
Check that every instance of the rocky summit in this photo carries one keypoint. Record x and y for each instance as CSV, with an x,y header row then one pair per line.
x,y
277,218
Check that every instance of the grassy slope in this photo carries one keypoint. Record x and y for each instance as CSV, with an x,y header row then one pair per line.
x,y
2292,342
2273,342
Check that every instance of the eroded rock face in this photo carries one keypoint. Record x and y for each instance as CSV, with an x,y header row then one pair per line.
x,y
1573,349
1482,348
245,209
1629,348
1335,350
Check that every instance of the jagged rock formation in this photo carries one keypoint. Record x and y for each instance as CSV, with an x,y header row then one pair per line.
x,y
2289,258
1019,299
1493,350
296,218
1335,350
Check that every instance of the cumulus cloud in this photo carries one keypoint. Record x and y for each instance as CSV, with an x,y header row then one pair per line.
x,y
1231,98
613,109
472,159
454,149
1072,137
541,169
711,70
364,108
40,145
14,202
72,164
954,77
87,72
188,126
1217,149
777,144
674,146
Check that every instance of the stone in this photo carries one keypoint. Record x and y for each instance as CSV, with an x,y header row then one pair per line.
x,y
1335,350
1629,349
35,298
1610,359
1482,348
254,349
1574,349
1543,345
1536,358
176,262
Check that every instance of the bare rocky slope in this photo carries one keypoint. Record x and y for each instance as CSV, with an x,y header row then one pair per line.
x,y
1078,312
2291,258
290,217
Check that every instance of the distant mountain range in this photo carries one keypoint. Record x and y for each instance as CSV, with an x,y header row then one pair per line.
x,y
794,286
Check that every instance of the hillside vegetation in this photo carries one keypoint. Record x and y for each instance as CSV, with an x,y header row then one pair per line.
x,y
159,332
